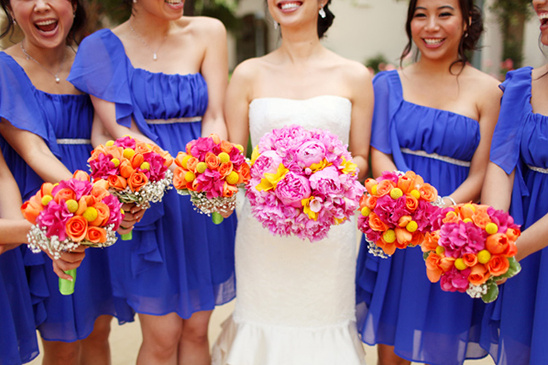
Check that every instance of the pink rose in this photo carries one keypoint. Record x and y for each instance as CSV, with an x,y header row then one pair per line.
x,y
292,189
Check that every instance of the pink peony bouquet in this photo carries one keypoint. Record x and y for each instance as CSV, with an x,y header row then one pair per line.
x,y
471,248
302,182
71,213
396,211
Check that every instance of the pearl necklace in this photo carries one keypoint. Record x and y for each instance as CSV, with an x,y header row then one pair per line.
x,y
56,75
154,53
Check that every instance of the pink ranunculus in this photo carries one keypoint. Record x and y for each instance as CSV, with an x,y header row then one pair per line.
x,y
292,189
326,182
54,218
310,152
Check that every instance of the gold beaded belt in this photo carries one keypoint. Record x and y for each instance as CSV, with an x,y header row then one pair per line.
x,y
435,156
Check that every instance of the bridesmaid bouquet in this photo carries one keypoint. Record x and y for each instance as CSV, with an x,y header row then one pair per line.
x,y
472,247
69,214
302,182
210,171
396,211
136,172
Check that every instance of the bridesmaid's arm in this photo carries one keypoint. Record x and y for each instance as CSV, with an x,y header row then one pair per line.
x,y
381,162
215,72
36,153
533,239
497,187
237,101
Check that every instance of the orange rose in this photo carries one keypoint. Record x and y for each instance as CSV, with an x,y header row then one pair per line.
x,y
225,168
179,181
192,163
513,234
137,180
406,182
96,235
481,218
46,189
137,160
213,161
433,268
388,248
384,187
447,263
226,146
81,175
362,200
165,154
126,168
141,148
404,220
478,274
417,179
466,210
114,151
117,182
188,147
98,191
417,238
64,195
179,159
496,243
32,208
430,242
371,202
511,251
498,265
428,192
403,237
215,138
103,214
451,217
229,190
77,227
100,183
369,183
470,259
376,224
411,203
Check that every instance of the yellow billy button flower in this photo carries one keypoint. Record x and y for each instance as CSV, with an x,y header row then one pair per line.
x,y
459,264
189,176
184,161
201,167
224,157
239,147
440,250
109,143
396,193
233,178
72,205
484,256
90,214
467,220
348,166
451,214
145,166
128,153
116,162
470,206
415,194
412,226
366,211
491,228
46,199
374,189
389,236
270,181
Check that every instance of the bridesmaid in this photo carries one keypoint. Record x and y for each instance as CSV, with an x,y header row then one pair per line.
x,y
161,76
435,117
516,325
47,124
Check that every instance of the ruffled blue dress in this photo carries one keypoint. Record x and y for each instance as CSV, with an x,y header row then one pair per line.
x,y
396,303
516,325
64,122
178,260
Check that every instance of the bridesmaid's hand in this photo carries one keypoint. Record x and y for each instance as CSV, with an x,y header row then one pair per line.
x,y
132,215
68,261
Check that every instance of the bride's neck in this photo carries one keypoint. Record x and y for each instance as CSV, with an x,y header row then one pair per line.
x,y
298,51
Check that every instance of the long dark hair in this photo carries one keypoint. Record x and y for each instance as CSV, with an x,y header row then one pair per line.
x,y
78,24
472,21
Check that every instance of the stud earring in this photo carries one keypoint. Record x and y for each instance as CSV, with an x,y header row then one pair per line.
x,y
322,13
135,1
276,25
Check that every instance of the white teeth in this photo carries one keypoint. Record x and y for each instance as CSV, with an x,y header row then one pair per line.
x,y
290,6
45,22
543,16
173,2
433,41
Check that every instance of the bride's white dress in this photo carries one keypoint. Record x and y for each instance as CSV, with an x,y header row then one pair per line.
x,y
295,299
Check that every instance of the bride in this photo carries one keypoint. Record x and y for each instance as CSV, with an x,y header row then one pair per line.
x,y
295,302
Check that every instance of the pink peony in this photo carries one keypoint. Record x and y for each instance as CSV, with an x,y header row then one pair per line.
x,y
326,182
292,189
267,162
310,152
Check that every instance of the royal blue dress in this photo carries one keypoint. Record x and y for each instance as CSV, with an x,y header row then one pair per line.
x,y
397,304
178,260
64,122
516,325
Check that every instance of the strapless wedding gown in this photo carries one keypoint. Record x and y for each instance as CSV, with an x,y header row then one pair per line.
x,y
295,299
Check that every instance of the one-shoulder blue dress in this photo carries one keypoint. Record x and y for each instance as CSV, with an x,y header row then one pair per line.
x,y
64,122
516,325
397,305
178,260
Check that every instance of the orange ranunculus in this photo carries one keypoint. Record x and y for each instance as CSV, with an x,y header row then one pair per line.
x,y
498,265
213,161
81,175
417,179
82,206
512,249
428,192
384,187
411,203
376,224
369,183
137,180
77,227
513,234
64,195
447,263
496,243
192,163
137,160
117,182
388,248
403,237
32,208
371,202
433,268
126,169
226,146
430,242
470,259
179,181
103,214
46,189
451,217
96,235
478,274
216,139
225,168
99,191
229,190
481,218
467,210
404,220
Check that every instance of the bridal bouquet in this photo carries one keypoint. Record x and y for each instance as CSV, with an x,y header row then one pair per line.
x,y
69,214
472,247
210,171
302,182
136,172
396,211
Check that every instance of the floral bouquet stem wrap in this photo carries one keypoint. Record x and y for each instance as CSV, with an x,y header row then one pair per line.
x,y
302,182
396,211
69,214
471,248
136,172
210,171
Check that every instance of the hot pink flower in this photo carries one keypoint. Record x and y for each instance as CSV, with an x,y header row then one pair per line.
x,y
455,280
292,189
126,142
54,218
310,152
